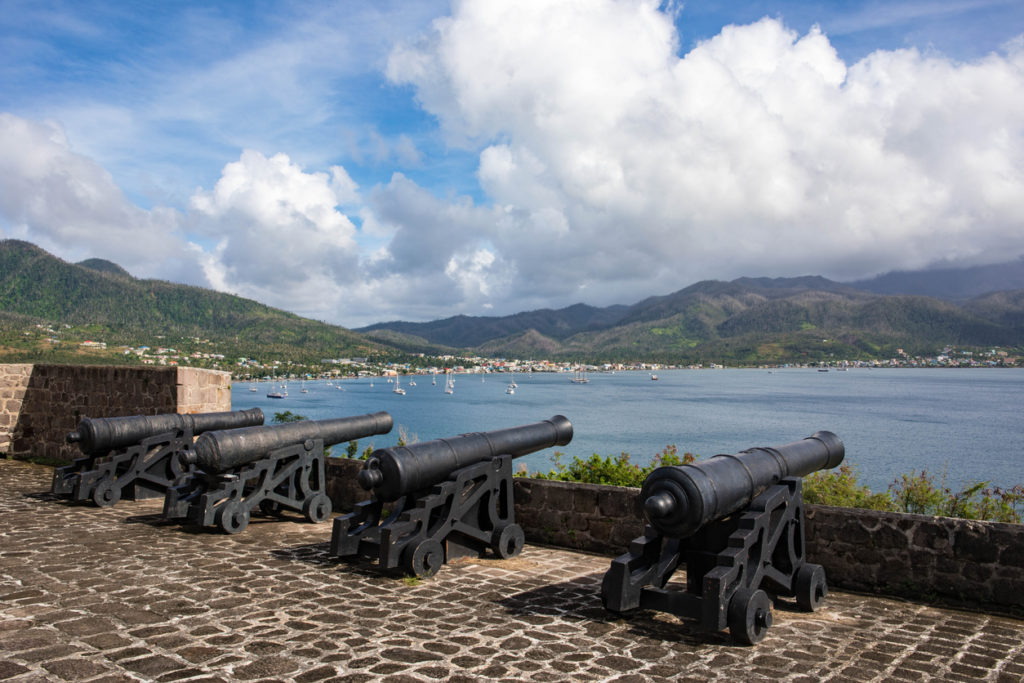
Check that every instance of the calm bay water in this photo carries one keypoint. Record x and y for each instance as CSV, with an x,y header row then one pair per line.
x,y
965,423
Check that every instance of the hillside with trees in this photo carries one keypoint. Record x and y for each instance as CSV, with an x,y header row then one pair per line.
x,y
100,297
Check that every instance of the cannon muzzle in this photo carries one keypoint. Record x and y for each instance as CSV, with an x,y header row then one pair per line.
x,y
222,450
391,473
101,434
678,500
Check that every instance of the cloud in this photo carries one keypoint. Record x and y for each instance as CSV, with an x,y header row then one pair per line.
x,y
620,169
438,259
66,203
279,236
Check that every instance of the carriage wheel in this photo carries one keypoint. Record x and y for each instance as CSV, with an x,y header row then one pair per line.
x,y
318,508
424,559
750,615
811,587
508,541
232,517
106,494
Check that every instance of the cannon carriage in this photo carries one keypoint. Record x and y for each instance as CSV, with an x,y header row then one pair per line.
x,y
438,500
736,524
272,468
136,457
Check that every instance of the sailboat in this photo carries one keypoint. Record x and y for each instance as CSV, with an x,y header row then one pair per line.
x,y
398,386
434,381
304,389
579,377
252,387
513,382
449,385
510,389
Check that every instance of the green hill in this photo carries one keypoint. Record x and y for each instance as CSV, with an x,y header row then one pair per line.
x,y
101,299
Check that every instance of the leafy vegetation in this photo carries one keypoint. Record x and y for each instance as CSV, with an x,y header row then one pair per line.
x,y
839,487
612,470
287,416
918,493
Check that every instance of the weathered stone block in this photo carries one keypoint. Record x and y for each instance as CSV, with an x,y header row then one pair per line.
x,y
972,541
584,499
931,535
618,502
1012,554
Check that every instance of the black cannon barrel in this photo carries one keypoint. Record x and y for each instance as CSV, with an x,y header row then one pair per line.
x,y
101,434
394,472
219,451
680,499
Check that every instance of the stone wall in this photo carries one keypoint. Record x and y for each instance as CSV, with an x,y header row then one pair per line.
x,y
897,554
13,385
40,404
342,488
918,555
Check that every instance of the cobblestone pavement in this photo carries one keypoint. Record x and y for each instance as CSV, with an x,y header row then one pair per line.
x,y
116,594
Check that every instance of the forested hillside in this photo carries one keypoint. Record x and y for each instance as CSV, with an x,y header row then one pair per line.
x,y
123,309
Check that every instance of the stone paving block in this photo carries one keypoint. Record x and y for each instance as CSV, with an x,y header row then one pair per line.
x,y
74,669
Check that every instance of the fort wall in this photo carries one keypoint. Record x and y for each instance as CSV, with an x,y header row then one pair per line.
x,y
41,403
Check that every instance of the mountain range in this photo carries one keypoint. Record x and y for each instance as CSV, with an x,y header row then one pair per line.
x,y
755,319
747,320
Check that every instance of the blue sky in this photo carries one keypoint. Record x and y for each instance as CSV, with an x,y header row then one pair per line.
x,y
357,162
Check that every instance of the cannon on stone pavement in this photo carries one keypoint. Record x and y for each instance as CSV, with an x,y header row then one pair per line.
x,y
136,457
736,522
438,500
273,467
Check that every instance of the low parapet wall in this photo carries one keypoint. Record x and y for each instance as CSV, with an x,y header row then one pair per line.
x,y
40,404
918,555
913,556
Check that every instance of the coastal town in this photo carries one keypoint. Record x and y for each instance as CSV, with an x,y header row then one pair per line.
x,y
250,369
204,353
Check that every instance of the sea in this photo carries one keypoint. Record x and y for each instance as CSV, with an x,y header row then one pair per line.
x,y
960,425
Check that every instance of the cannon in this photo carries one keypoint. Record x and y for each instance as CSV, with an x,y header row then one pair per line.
x,y
438,500
736,522
136,457
273,467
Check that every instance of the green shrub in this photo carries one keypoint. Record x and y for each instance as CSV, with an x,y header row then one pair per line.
x,y
611,470
839,487
918,493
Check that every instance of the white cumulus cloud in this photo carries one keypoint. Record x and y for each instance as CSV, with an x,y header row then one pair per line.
x,y
280,237
620,168
69,205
